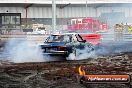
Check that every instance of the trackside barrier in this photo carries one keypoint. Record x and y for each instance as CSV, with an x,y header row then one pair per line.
x,y
110,37
105,37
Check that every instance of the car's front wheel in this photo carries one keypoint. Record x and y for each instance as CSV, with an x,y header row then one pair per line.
x,y
73,54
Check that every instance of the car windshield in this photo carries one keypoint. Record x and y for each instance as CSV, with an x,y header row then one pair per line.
x,y
58,38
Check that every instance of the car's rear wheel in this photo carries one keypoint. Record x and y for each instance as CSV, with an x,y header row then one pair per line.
x,y
78,53
75,53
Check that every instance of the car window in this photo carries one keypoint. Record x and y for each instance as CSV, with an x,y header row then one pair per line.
x,y
66,38
74,39
58,38
49,39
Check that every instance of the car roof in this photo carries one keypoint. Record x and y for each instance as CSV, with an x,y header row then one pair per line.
x,y
74,33
62,34
69,33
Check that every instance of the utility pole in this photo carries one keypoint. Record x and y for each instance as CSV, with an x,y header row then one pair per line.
x,y
86,8
54,16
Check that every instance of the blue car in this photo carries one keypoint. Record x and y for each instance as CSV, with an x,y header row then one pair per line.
x,y
64,44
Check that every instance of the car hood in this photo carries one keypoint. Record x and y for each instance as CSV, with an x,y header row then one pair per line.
x,y
51,44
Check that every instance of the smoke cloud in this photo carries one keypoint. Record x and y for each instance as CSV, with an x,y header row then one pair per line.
x,y
104,49
81,54
19,51
114,48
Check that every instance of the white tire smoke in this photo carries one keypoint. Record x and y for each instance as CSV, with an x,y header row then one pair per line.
x,y
104,49
20,51
81,54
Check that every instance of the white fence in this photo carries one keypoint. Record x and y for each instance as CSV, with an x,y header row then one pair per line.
x,y
110,37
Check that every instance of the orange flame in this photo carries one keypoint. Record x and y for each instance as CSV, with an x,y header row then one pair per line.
x,y
81,71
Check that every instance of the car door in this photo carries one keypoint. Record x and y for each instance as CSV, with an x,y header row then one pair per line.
x,y
78,42
83,45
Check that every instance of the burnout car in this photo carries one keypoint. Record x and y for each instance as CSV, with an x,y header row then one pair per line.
x,y
65,44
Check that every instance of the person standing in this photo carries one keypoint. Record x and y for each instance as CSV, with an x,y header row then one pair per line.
x,y
118,29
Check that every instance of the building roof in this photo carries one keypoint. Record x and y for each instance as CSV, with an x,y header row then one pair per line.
x,y
65,1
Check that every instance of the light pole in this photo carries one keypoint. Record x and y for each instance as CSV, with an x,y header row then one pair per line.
x,y
53,16
86,8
